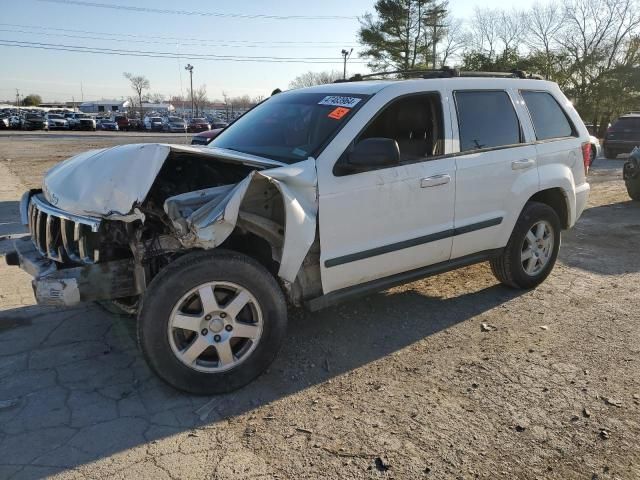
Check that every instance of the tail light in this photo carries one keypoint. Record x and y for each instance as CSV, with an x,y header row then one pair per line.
x,y
586,156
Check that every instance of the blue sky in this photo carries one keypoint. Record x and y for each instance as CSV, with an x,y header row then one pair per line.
x,y
59,75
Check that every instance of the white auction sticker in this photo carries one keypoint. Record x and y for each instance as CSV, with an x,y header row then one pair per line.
x,y
338,101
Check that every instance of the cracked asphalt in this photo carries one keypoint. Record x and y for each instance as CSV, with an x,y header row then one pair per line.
x,y
404,384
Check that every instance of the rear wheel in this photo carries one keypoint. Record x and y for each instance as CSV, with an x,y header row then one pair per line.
x,y
592,155
211,322
532,249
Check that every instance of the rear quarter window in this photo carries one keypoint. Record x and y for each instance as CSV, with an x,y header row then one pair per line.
x,y
486,119
549,119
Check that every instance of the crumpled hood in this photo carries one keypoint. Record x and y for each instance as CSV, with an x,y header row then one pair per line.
x,y
111,182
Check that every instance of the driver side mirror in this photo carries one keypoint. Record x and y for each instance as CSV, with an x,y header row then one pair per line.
x,y
370,154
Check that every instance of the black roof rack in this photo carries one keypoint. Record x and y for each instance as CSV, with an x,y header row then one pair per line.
x,y
444,72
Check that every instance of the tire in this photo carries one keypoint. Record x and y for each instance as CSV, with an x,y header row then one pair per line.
x,y
509,268
164,345
610,154
633,188
592,155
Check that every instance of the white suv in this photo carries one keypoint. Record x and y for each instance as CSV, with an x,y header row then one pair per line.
x,y
313,197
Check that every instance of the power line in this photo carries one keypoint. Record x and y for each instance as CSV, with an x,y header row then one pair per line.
x,y
178,39
202,43
199,13
153,54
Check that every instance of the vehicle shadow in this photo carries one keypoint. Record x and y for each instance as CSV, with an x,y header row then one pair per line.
x,y
75,388
606,239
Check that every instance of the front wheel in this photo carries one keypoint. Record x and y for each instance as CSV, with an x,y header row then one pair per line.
x,y
532,249
211,322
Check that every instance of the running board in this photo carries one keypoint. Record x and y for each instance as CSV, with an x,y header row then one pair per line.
x,y
380,284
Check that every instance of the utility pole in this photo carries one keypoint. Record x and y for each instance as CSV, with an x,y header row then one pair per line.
x,y
434,14
345,54
17,97
189,68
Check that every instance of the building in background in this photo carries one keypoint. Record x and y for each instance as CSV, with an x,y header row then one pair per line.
x,y
160,108
100,106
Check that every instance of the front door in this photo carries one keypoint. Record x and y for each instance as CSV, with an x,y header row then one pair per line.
x,y
377,223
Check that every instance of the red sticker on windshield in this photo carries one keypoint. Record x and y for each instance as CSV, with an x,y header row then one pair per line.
x,y
338,113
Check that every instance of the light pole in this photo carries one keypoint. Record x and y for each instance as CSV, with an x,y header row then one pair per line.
x,y
345,54
435,13
189,68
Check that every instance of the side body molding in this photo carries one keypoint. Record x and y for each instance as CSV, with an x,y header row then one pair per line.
x,y
211,224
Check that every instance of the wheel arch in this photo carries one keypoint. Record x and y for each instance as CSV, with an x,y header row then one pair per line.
x,y
557,199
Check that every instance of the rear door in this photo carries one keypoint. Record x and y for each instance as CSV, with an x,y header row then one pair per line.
x,y
496,169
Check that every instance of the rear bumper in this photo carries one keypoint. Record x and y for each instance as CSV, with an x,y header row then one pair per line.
x,y
70,286
582,197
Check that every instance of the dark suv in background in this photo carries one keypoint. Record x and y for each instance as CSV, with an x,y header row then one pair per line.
x,y
623,135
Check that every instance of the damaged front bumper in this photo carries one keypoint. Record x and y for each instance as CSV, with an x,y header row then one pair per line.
x,y
56,286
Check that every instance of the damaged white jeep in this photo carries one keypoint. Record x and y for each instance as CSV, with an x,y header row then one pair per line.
x,y
314,196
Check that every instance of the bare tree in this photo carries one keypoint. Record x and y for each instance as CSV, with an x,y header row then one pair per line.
x,y
139,83
510,27
309,79
544,23
595,33
453,40
156,98
484,31
200,98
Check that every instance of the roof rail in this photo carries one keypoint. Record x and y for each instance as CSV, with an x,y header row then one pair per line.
x,y
444,72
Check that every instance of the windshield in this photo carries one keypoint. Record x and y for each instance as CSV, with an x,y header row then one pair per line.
x,y
290,127
198,120
55,116
176,120
156,119
82,115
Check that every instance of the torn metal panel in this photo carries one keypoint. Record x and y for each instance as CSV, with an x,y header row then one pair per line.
x,y
111,182
211,224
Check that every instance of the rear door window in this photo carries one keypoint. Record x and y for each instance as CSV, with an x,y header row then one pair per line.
x,y
549,120
486,119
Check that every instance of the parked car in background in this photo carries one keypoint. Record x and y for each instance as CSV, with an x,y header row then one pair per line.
x,y
623,136
81,121
4,123
631,174
15,122
135,124
107,124
34,121
123,122
174,125
205,137
56,121
198,125
153,124
219,124
596,149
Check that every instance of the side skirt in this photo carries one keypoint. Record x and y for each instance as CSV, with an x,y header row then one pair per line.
x,y
373,286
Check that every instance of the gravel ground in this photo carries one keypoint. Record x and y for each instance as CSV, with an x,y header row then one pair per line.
x,y
450,377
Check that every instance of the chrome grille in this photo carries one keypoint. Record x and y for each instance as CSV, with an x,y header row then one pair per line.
x,y
61,236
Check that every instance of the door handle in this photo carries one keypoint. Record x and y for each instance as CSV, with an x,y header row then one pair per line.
x,y
522,164
435,180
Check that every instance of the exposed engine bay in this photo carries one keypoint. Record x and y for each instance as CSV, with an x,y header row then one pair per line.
x,y
198,198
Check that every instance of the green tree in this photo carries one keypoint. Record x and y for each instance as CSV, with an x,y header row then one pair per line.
x,y
32,100
400,34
